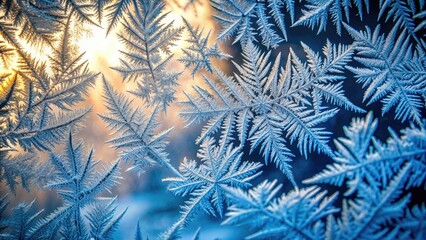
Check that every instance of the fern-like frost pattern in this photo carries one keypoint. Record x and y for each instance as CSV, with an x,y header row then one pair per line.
x,y
275,102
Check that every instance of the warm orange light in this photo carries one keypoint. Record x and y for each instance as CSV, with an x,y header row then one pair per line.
x,y
7,81
101,50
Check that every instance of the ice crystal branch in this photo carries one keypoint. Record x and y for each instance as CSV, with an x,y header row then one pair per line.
x,y
393,72
221,167
361,157
147,38
295,215
237,18
318,13
198,54
264,100
78,183
141,145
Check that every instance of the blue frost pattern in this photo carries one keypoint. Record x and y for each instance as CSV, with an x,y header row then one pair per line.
x,y
268,105
264,100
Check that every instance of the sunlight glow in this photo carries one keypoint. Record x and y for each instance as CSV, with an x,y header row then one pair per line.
x,y
101,50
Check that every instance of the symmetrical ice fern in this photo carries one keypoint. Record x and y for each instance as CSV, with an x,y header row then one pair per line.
x,y
23,167
37,20
30,119
23,217
377,181
142,146
82,11
394,73
147,39
102,219
377,176
78,183
317,13
36,108
378,206
198,55
265,100
296,215
115,11
403,13
361,157
237,18
207,182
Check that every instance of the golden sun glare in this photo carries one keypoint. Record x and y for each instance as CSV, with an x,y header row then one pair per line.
x,y
100,48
